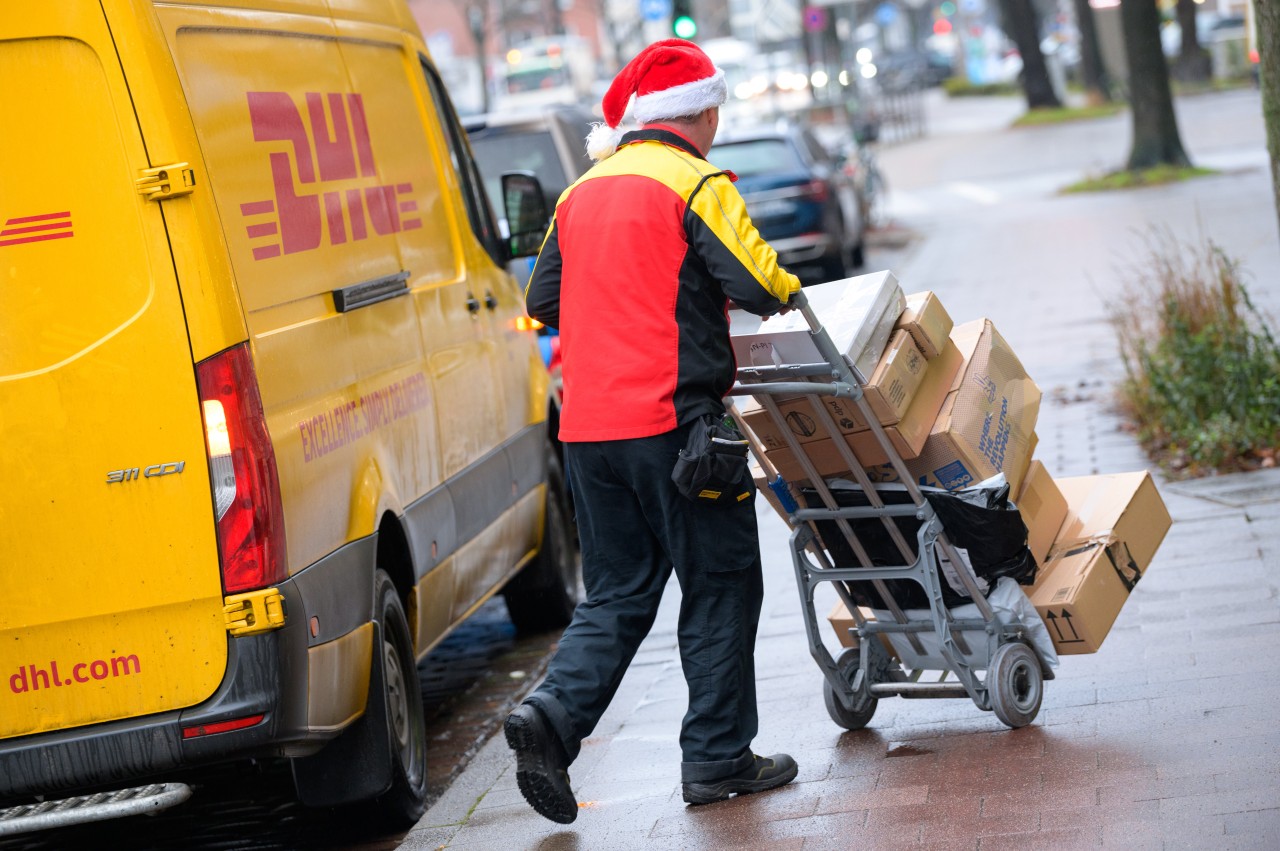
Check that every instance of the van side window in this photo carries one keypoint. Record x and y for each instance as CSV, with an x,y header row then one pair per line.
x,y
479,213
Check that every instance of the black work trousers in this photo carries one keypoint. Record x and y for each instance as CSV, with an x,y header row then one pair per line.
x,y
635,527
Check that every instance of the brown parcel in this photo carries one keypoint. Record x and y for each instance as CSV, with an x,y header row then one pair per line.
x,y
927,321
987,423
841,621
1114,525
1126,506
889,392
907,435
1043,508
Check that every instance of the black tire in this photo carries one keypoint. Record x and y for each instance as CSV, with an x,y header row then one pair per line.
x,y
865,708
833,266
1015,684
857,258
403,804
543,596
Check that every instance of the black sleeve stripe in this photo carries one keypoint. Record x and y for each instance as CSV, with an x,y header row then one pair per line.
x,y
542,295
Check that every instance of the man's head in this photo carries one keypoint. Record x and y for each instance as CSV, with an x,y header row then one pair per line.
x,y
671,80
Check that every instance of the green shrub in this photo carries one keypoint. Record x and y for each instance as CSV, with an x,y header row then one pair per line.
x,y
1202,367
961,87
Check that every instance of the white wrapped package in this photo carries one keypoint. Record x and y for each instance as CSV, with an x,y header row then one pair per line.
x,y
1009,604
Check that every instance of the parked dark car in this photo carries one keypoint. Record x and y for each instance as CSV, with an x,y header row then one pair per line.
x,y
549,142
798,196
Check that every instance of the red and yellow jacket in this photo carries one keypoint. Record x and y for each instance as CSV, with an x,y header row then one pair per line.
x,y
643,254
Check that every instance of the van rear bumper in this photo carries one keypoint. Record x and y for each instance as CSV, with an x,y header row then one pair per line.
x,y
257,682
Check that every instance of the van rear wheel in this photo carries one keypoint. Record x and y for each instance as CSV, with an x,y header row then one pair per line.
x,y
545,593
403,804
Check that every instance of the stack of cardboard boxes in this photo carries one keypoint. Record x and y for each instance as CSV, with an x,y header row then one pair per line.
x,y
959,408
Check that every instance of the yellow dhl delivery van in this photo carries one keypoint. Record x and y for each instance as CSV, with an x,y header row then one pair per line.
x,y
272,419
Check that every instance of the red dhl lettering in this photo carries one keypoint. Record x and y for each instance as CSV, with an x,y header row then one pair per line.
x,y
338,131
31,678
342,424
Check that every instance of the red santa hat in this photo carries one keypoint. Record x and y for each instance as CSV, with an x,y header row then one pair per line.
x,y
670,79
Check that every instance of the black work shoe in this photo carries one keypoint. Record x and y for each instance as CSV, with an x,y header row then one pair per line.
x,y
541,764
765,772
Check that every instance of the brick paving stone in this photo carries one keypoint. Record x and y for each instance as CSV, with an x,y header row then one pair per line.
x,y
1084,837
1261,824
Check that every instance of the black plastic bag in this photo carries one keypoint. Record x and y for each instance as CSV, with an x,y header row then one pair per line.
x,y
981,521
712,467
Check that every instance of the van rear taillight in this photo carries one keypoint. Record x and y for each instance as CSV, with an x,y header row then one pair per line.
x,y
242,470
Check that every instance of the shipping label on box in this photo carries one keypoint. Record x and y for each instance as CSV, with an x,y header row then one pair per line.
x,y
1043,509
927,321
857,313
1123,506
1080,593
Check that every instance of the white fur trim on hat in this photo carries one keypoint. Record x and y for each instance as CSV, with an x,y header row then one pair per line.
x,y
683,100
603,141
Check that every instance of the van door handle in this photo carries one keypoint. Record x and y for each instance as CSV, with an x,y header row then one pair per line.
x,y
489,301
473,303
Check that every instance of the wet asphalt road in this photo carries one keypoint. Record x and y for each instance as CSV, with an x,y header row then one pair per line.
x,y
468,682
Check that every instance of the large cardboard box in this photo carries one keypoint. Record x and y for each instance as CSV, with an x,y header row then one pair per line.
x,y
1080,593
927,321
801,419
889,392
1123,506
1113,527
987,423
857,313
908,435
1043,509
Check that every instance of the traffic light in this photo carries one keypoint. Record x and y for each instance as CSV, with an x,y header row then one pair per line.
x,y
682,22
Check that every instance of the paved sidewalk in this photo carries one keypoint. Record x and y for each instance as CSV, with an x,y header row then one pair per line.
x,y
1167,738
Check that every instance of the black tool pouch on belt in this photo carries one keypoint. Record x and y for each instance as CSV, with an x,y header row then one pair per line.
x,y
712,467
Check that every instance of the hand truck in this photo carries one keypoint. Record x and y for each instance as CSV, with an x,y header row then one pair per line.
x,y
980,657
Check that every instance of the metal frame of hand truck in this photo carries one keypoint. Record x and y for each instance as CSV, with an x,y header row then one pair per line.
x,y
1013,685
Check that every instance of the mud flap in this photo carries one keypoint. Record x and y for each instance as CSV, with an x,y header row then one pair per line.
x,y
356,766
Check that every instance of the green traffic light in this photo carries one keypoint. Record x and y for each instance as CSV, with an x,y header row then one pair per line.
x,y
684,27
947,8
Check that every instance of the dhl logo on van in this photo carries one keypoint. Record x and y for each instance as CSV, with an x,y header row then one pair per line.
x,y
330,148
36,228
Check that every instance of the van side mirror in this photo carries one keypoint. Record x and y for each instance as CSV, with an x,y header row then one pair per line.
x,y
526,209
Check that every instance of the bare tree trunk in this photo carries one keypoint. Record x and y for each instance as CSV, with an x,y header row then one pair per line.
x,y
1023,26
1097,82
1267,18
1155,127
1193,60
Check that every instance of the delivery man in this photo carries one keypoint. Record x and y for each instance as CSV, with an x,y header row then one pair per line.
x,y
643,254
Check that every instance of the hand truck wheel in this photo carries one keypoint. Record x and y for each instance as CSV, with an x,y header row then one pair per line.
x,y
865,707
1015,684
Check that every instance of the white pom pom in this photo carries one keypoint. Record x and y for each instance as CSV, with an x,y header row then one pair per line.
x,y
602,141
